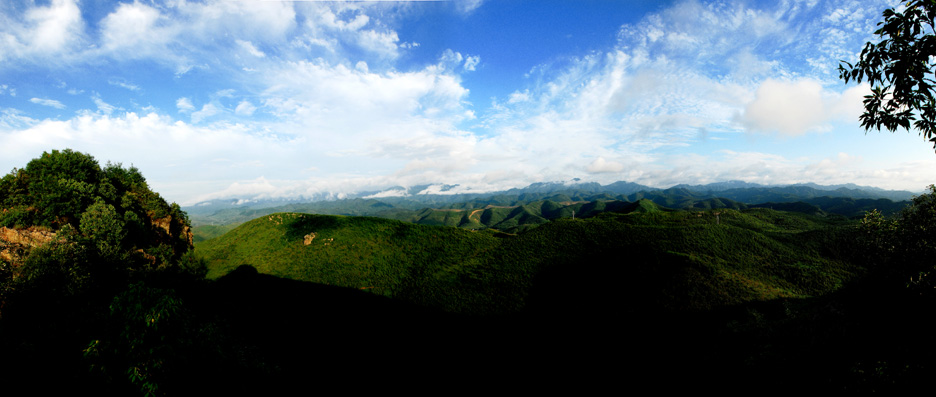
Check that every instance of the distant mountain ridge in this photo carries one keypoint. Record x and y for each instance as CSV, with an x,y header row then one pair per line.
x,y
512,215
435,193
412,204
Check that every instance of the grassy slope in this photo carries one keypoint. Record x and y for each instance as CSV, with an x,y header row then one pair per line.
x,y
635,262
392,258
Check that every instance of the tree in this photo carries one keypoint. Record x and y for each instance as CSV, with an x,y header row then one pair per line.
x,y
104,226
900,71
902,246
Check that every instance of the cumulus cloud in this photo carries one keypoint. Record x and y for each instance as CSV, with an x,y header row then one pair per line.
x,y
454,59
134,30
173,148
339,97
383,43
208,110
650,95
347,28
796,107
42,33
471,62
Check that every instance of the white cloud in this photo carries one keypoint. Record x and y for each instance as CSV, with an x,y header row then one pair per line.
x,y
102,106
468,6
259,187
208,110
472,62
796,107
184,105
382,43
174,149
516,97
245,108
600,165
250,48
124,84
54,27
42,33
332,20
48,102
347,27
774,169
324,95
179,32
12,119
451,57
136,30
340,94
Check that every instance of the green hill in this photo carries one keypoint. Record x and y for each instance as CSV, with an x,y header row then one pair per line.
x,y
100,291
649,257
518,218
392,258
541,206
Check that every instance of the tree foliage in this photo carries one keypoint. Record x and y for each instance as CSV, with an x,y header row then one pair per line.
x,y
111,205
902,246
109,227
900,70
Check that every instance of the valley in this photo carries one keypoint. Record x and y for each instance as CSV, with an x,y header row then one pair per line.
x,y
126,296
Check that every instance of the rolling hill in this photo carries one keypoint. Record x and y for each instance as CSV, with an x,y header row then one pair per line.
x,y
101,291
677,260
521,209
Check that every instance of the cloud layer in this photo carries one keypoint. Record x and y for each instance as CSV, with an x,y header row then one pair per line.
x,y
233,99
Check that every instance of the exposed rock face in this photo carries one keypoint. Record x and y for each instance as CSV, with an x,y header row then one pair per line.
x,y
166,225
307,239
15,244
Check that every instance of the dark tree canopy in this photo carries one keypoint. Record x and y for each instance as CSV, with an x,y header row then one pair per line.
x,y
112,205
900,70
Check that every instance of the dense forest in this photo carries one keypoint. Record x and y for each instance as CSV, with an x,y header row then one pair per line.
x,y
102,289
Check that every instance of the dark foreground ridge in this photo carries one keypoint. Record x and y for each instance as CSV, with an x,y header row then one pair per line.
x,y
101,291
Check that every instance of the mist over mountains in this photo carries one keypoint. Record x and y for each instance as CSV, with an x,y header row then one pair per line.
x,y
519,209
750,193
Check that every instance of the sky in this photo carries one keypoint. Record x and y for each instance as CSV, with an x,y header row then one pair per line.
x,y
267,99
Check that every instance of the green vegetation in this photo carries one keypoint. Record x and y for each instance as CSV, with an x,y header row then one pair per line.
x,y
899,68
696,260
385,257
520,212
74,238
101,291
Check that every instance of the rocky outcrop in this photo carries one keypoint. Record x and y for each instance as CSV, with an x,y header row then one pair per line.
x,y
166,225
15,243
307,239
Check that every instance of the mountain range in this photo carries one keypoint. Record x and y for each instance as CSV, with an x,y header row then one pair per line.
x,y
517,209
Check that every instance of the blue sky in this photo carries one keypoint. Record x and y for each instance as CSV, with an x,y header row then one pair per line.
x,y
245,99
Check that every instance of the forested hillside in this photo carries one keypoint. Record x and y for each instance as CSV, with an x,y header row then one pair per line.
x,y
675,260
83,249
101,291
514,211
